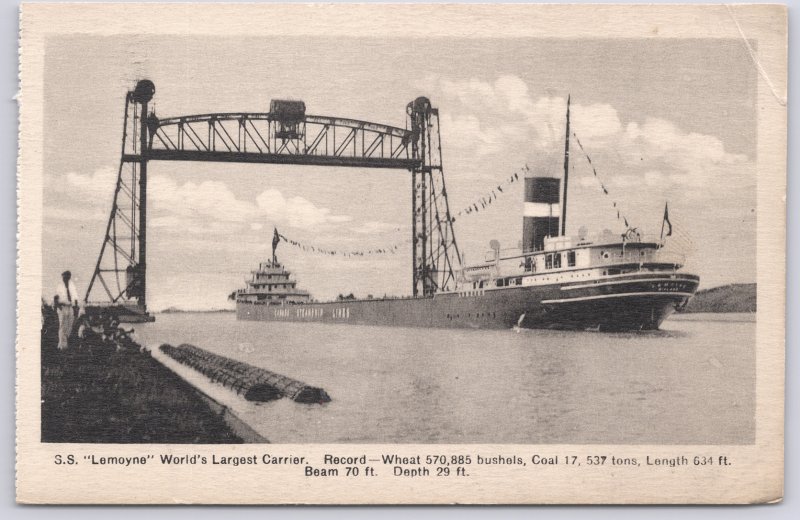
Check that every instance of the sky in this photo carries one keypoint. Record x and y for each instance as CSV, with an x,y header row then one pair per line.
x,y
662,120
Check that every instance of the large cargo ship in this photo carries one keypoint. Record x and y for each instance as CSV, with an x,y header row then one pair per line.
x,y
601,283
606,282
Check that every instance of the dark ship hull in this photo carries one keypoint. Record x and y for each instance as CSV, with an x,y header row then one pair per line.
x,y
639,301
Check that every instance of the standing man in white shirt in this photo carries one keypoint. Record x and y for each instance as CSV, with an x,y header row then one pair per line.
x,y
66,303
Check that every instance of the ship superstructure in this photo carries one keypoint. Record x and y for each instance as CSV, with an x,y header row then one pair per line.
x,y
271,284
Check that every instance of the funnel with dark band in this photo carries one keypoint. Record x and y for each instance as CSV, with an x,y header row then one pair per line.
x,y
541,212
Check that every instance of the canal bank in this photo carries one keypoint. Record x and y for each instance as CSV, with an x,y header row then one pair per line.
x,y
105,388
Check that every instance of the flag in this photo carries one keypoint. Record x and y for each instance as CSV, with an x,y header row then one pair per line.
x,y
276,238
666,222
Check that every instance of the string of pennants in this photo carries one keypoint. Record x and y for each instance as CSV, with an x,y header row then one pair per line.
x,y
614,204
475,207
679,237
480,204
388,250
486,201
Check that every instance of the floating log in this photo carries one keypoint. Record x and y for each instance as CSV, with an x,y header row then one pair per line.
x,y
255,384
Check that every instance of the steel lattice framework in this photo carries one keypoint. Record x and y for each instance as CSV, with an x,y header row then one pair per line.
x,y
121,264
272,138
261,138
435,248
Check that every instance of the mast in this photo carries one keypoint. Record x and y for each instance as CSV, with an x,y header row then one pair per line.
x,y
566,176
276,239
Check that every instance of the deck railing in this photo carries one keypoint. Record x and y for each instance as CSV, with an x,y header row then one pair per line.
x,y
643,256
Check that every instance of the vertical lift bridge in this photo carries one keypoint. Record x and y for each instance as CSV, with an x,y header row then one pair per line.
x,y
284,135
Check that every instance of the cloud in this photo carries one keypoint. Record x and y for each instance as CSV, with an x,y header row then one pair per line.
x,y
692,158
210,201
501,119
491,119
214,207
166,221
482,139
374,227
205,207
75,214
654,178
95,186
598,120
295,211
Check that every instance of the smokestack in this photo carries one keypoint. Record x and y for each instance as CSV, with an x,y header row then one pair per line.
x,y
541,212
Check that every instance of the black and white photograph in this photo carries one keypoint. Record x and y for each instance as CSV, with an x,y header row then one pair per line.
x,y
468,242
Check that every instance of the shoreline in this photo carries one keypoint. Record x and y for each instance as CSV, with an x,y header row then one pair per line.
x,y
105,388
731,317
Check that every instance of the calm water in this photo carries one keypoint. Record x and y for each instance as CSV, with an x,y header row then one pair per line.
x,y
691,383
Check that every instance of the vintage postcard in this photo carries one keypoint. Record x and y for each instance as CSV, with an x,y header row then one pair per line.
x,y
401,254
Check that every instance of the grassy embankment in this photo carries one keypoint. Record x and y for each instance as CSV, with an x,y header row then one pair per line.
x,y
738,297
110,390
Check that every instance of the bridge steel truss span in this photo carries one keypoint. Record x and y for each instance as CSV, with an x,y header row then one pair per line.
x,y
262,138
271,138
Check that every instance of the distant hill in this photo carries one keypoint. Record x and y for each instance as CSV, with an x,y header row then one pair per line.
x,y
737,297
177,310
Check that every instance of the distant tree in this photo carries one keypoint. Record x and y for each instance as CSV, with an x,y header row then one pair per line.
x,y
726,298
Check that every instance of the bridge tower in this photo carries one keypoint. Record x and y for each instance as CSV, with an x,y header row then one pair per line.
x,y
122,262
435,251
